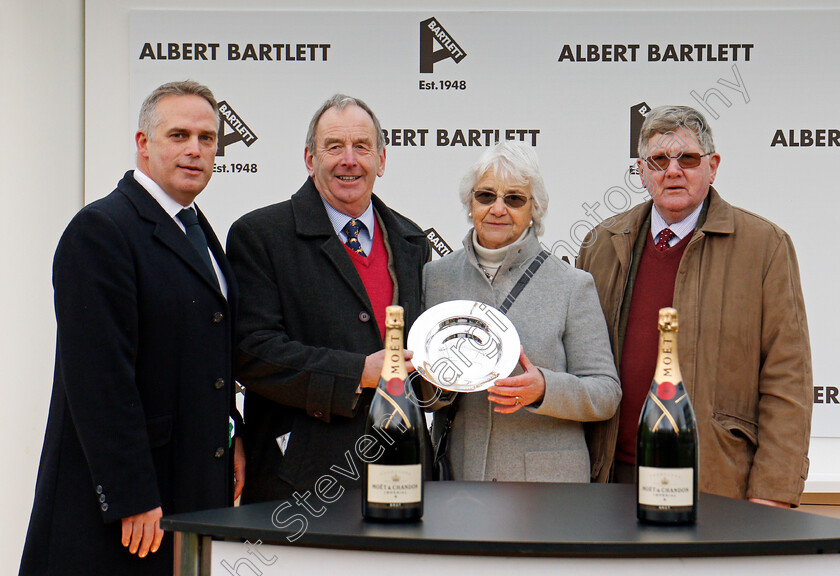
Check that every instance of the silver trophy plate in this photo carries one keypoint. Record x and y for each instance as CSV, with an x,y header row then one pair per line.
x,y
463,346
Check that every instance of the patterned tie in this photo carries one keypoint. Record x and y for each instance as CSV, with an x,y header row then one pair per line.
x,y
664,237
352,230
196,236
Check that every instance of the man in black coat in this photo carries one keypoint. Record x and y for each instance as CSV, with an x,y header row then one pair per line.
x,y
143,392
309,333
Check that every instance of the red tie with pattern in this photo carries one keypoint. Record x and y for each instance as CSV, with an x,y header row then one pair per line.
x,y
664,237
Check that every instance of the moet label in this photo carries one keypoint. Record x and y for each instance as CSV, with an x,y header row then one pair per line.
x,y
395,485
666,487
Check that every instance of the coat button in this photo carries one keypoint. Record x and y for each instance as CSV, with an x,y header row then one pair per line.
x,y
364,316
219,453
104,507
102,498
219,384
318,414
218,317
99,489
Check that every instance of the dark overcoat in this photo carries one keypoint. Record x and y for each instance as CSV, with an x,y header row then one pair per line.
x,y
304,329
143,389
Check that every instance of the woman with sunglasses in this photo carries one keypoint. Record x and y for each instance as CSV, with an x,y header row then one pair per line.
x,y
527,427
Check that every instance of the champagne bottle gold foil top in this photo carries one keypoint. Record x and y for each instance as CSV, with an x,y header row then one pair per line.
x,y
667,365
394,317
394,363
668,320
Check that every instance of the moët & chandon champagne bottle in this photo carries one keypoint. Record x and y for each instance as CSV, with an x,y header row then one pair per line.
x,y
392,482
666,443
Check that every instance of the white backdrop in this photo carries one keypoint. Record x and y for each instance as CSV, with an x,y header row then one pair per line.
x,y
69,127
567,82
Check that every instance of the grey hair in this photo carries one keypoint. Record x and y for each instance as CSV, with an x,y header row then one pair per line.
x,y
149,117
340,102
665,119
514,160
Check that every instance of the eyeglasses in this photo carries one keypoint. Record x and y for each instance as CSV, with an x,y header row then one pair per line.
x,y
660,162
488,197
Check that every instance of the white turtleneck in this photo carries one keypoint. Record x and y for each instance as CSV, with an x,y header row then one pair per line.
x,y
490,259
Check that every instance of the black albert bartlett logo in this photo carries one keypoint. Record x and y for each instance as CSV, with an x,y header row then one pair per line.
x,y
432,33
637,118
239,130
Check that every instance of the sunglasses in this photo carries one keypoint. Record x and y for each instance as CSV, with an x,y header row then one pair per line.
x,y
487,198
660,162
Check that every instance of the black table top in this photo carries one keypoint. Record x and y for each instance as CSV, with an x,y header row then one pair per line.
x,y
525,519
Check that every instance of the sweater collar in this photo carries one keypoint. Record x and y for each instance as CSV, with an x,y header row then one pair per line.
x,y
493,257
522,251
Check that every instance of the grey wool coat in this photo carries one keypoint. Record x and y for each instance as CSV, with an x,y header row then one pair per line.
x,y
563,332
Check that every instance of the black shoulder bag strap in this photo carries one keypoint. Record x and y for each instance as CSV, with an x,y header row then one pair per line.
x,y
442,469
524,279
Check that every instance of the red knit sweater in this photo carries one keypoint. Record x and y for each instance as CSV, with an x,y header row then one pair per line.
x,y
653,289
373,270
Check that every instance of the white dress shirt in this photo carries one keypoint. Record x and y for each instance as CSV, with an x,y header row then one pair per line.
x,y
680,229
339,220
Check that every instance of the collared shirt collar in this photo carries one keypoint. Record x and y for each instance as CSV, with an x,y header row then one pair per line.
x,y
339,221
169,205
680,229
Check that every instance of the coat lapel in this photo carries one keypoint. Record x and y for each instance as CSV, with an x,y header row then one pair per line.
x,y
401,250
167,232
219,255
624,233
312,222
623,247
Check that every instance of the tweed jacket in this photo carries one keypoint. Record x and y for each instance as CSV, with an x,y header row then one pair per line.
x,y
743,346
306,326
563,333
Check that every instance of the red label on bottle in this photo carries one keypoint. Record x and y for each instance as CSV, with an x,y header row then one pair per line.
x,y
396,387
666,391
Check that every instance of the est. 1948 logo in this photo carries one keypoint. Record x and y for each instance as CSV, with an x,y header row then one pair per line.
x,y
239,131
431,33
233,129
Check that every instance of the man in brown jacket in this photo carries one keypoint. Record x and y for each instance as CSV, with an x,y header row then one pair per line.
x,y
743,342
